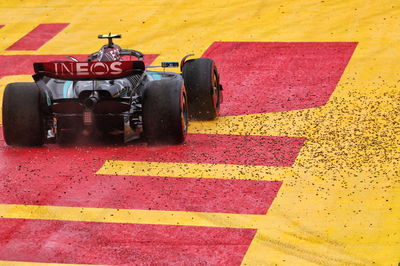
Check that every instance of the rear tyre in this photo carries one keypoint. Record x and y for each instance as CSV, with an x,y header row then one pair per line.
x,y
203,89
165,118
23,123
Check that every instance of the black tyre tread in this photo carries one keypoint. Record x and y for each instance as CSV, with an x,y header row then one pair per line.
x,y
198,74
22,115
162,112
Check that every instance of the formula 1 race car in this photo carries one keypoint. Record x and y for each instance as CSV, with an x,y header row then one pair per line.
x,y
110,95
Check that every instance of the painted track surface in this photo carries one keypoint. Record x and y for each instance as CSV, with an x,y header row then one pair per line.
x,y
302,170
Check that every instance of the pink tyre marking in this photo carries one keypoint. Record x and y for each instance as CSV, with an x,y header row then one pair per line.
x,y
37,37
264,77
116,244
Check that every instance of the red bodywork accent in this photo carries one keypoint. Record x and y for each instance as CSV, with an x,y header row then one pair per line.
x,y
89,70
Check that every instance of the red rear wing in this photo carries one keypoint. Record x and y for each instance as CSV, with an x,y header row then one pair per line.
x,y
89,70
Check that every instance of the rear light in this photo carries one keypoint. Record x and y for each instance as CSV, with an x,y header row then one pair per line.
x,y
87,118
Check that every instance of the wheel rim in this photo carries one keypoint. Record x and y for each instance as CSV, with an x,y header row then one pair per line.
x,y
184,114
215,92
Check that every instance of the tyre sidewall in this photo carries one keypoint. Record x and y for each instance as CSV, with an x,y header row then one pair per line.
x,y
202,85
162,109
23,123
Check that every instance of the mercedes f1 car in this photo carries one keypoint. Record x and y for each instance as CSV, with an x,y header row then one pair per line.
x,y
110,94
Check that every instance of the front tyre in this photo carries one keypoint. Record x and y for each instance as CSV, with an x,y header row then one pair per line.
x,y
23,123
165,118
203,88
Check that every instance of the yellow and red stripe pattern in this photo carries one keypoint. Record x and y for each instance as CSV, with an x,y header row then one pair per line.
x,y
300,169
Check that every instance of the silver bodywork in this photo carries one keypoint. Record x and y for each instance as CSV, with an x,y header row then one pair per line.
x,y
128,90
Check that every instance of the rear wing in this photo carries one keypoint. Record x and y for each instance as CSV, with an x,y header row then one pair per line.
x,y
88,70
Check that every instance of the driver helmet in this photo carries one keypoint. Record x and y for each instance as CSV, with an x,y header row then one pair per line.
x,y
110,53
